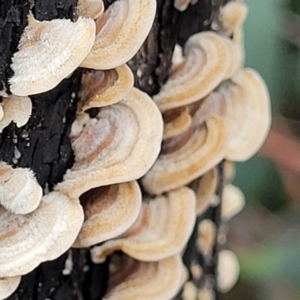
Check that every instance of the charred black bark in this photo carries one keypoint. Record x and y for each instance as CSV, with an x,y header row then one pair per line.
x,y
44,144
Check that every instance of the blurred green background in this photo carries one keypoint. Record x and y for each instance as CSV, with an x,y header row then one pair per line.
x,y
265,235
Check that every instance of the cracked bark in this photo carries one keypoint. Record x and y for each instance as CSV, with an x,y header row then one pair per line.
x,y
44,144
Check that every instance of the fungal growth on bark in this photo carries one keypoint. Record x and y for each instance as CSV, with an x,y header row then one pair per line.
x,y
109,212
152,237
140,190
20,192
120,32
132,279
60,55
15,109
102,88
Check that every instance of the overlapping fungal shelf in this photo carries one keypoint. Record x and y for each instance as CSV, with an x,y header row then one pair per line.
x,y
146,173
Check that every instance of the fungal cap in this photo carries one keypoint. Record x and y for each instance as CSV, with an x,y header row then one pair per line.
x,y
8,285
152,237
49,41
102,88
248,115
205,188
229,171
109,212
19,190
190,291
232,15
176,122
233,201
187,156
16,109
206,63
133,280
121,31
119,145
206,293
228,270
182,5
50,230
206,237
90,8
1,112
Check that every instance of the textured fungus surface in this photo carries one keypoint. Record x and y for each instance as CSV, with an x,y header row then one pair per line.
x,y
44,144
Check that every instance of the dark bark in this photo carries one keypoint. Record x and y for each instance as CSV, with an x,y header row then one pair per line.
x,y
44,144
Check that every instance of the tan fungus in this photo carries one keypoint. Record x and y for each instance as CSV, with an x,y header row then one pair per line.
x,y
19,190
228,270
182,5
153,236
1,111
232,16
47,50
45,234
109,211
206,293
134,280
188,156
213,104
190,291
206,237
121,31
248,115
102,88
119,145
237,56
8,285
205,188
177,57
196,270
16,109
90,8
233,201
206,63
229,171
176,121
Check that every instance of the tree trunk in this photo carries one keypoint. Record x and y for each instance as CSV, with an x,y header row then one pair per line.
x,y
44,144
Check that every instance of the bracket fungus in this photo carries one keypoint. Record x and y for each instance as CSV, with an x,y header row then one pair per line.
x,y
50,230
8,285
182,5
213,104
205,188
207,233
15,109
119,145
248,115
90,8
102,88
49,41
121,31
153,237
176,121
109,211
237,54
188,156
19,190
1,111
233,201
134,280
206,292
206,63
232,15
228,270
190,291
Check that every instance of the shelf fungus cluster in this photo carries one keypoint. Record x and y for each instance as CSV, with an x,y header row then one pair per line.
x,y
210,109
